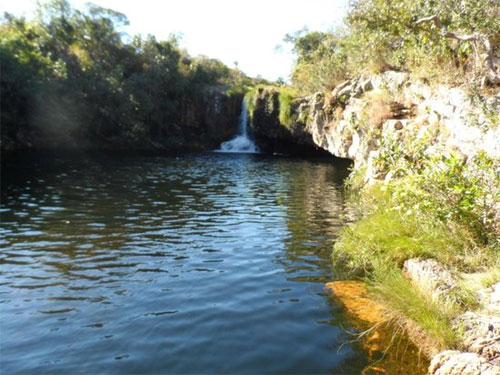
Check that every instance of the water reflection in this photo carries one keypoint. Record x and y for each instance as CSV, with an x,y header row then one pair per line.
x,y
179,265
314,208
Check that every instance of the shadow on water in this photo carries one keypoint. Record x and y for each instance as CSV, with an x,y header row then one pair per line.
x,y
211,263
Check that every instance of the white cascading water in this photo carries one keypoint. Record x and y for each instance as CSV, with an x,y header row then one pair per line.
x,y
241,142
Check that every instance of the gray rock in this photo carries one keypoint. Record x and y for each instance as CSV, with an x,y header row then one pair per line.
x,y
452,362
395,80
338,88
366,84
490,299
481,334
430,276
346,92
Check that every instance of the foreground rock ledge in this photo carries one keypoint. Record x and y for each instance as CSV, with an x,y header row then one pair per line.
x,y
452,362
481,330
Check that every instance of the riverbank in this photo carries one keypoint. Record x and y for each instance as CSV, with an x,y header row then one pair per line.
x,y
434,279
425,187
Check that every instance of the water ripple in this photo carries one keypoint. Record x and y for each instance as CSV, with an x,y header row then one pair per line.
x,y
203,264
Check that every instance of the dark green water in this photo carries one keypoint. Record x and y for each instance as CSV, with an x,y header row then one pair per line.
x,y
212,263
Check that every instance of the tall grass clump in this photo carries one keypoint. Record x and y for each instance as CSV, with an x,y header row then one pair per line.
x,y
387,237
406,301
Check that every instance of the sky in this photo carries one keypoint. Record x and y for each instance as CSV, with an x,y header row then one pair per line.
x,y
247,32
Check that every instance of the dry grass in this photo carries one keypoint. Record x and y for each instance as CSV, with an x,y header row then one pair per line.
x,y
378,109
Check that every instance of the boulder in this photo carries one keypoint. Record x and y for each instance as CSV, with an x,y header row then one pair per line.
x,y
431,277
481,334
452,362
490,299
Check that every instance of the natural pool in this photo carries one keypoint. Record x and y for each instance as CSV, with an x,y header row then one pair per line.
x,y
210,263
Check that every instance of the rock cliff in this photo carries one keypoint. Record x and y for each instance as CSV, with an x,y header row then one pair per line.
x,y
270,132
201,122
359,115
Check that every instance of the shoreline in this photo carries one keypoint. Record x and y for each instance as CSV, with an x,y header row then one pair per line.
x,y
426,188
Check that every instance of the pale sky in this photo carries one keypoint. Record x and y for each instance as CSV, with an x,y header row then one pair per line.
x,y
230,30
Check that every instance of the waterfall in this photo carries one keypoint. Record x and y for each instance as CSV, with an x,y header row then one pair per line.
x,y
241,143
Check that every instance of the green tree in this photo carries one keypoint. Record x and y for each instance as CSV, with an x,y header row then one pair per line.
x,y
69,74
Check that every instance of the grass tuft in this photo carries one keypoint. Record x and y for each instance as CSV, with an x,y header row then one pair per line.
x,y
406,301
387,237
286,116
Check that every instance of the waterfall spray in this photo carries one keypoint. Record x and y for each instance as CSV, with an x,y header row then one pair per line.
x,y
241,143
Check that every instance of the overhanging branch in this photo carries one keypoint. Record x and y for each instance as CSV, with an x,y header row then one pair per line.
x,y
475,38
444,32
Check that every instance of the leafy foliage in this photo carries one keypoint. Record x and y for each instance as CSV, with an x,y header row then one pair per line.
x,y
431,206
319,59
70,72
385,34
451,188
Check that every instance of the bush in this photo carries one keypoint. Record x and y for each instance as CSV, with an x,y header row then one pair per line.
x,y
381,35
442,207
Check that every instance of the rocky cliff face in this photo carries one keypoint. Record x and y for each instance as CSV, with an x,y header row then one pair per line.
x,y
358,116
207,121
202,122
268,130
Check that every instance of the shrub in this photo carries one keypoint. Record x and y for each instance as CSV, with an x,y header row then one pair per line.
x,y
381,35
442,207
286,117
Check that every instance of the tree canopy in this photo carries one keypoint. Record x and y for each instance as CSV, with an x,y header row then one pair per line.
x,y
73,71
449,39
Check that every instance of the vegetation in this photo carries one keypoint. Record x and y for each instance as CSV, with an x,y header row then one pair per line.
x,y
443,207
71,72
284,109
286,96
436,40
406,301
431,207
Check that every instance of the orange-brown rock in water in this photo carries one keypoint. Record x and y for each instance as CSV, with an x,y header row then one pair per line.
x,y
366,314
354,297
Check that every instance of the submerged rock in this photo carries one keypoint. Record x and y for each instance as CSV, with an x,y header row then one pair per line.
x,y
379,336
354,297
